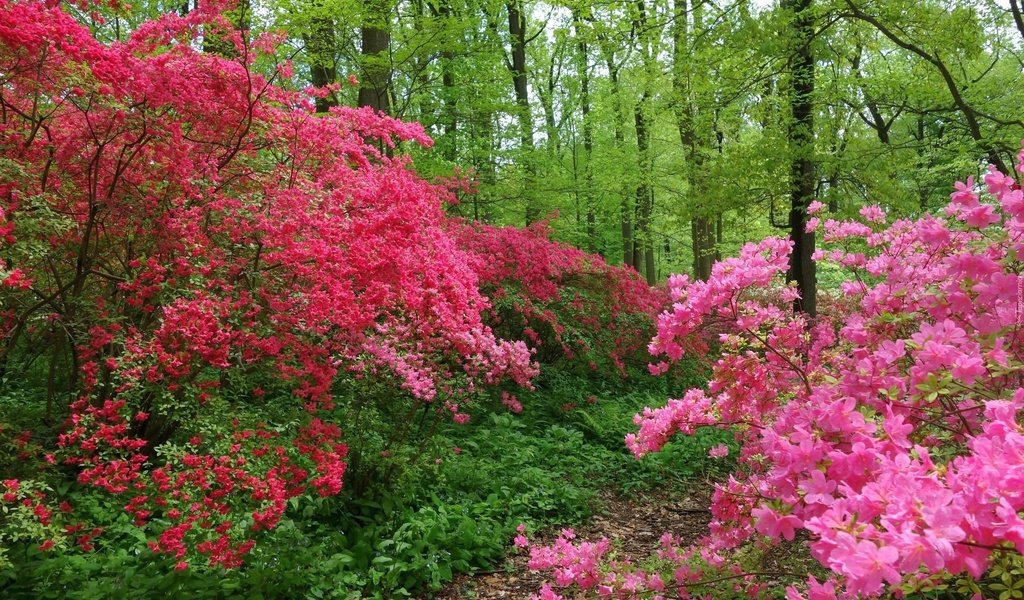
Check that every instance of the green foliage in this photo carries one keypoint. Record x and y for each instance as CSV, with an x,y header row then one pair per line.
x,y
442,499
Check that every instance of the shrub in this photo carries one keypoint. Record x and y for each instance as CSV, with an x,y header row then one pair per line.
x,y
886,435
564,303
179,230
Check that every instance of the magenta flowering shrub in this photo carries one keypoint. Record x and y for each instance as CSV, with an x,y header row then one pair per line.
x,y
886,434
564,303
177,230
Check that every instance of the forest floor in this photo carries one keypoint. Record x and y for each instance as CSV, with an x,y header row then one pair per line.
x,y
634,525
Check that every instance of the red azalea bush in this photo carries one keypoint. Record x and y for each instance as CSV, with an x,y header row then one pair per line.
x,y
176,226
887,436
563,302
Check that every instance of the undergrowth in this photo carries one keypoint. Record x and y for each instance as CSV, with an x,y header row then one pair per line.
x,y
427,508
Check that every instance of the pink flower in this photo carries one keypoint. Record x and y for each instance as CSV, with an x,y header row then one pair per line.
x,y
719,451
982,215
964,195
865,564
511,402
873,213
818,489
770,523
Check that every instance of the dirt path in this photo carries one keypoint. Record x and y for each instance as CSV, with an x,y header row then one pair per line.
x,y
633,524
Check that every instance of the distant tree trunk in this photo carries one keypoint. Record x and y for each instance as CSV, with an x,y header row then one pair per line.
x,y
517,32
418,70
375,32
643,246
643,251
923,162
718,237
583,68
801,139
547,100
449,119
483,151
703,239
320,48
703,236
625,211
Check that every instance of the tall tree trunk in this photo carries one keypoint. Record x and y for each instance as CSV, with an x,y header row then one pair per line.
x,y
702,236
449,119
320,48
625,211
375,32
718,237
547,100
643,246
583,69
801,138
517,33
482,133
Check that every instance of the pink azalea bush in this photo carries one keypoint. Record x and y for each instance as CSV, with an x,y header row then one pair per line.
x,y
885,434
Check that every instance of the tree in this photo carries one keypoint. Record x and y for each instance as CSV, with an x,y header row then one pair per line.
x,y
703,238
801,138
375,32
967,110
520,85
583,72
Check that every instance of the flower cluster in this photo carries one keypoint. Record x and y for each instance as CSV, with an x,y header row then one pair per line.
x,y
887,432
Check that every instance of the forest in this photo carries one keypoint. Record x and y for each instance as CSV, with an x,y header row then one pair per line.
x,y
487,299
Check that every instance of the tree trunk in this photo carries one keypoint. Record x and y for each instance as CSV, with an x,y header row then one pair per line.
x,y
703,235
801,139
643,247
625,212
643,250
449,119
320,51
703,241
375,32
583,68
517,33
547,100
